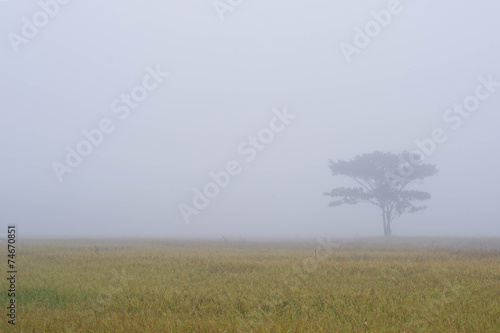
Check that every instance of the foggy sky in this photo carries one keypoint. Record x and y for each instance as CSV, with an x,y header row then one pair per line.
x,y
225,79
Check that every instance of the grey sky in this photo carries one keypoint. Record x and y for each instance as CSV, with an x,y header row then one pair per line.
x,y
226,78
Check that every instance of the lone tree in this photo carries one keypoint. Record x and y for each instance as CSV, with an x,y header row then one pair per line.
x,y
383,180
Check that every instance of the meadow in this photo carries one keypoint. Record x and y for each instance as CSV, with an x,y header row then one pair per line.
x,y
374,285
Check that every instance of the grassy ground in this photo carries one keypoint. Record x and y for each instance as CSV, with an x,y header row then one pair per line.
x,y
174,286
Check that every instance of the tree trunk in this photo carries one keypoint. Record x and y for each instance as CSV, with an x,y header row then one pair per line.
x,y
388,222
385,222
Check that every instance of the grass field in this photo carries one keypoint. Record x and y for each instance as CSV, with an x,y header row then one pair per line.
x,y
406,285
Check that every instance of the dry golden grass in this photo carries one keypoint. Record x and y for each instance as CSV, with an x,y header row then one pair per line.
x,y
173,286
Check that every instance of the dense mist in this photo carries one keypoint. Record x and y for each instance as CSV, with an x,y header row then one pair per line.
x,y
211,119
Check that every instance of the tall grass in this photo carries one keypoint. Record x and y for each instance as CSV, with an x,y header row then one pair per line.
x,y
254,287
